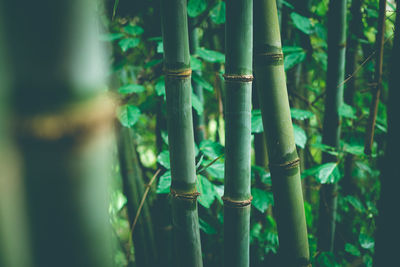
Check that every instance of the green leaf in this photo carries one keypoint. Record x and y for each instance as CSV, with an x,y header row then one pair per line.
x,y
354,149
196,7
347,111
256,121
320,30
128,43
366,241
324,173
291,49
131,88
355,202
160,47
197,104
206,228
152,63
207,192
217,13
300,137
201,82
353,250
128,115
328,149
195,64
160,86
265,176
300,114
216,170
109,37
164,183
261,199
211,56
163,159
134,30
293,59
287,4
302,23
211,149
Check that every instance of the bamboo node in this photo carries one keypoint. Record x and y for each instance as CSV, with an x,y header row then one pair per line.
x,y
238,78
184,196
268,58
286,165
75,120
178,74
236,203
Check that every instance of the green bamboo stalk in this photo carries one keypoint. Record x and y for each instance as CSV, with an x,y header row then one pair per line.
x,y
238,77
355,31
132,178
331,126
388,230
62,128
186,233
376,91
14,250
282,154
198,120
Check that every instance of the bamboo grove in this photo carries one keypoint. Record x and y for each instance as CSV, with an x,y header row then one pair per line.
x,y
196,133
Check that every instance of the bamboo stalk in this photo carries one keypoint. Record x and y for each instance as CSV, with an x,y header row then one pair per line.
x,y
388,230
282,154
376,91
186,233
331,126
63,129
238,77
132,178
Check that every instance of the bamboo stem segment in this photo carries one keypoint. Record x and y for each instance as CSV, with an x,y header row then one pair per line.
x,y
282,154
238,83
186,233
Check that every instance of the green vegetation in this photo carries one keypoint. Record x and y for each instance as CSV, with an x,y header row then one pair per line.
x,y
161,133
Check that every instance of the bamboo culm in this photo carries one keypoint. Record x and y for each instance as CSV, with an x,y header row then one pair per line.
x,y
238,85
63,129
388,229
331,125
186,233
282,154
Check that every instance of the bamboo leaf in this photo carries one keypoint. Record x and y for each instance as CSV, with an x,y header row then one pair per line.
x,y
163,159
353,250
131,88
216,170
164,183
261,199
217,13
366,241
128,43
195,64
256,121
203,83
211,56
207,192
206,228
300,114
211,149
347,111
265,176
291,49
300,136
355,202
133,30
196,7
160,86
153,62
128,115
197,104
302,23
324,173
160,47
293,59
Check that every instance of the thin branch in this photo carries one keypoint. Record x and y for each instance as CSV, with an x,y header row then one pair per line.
x,y
142,203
